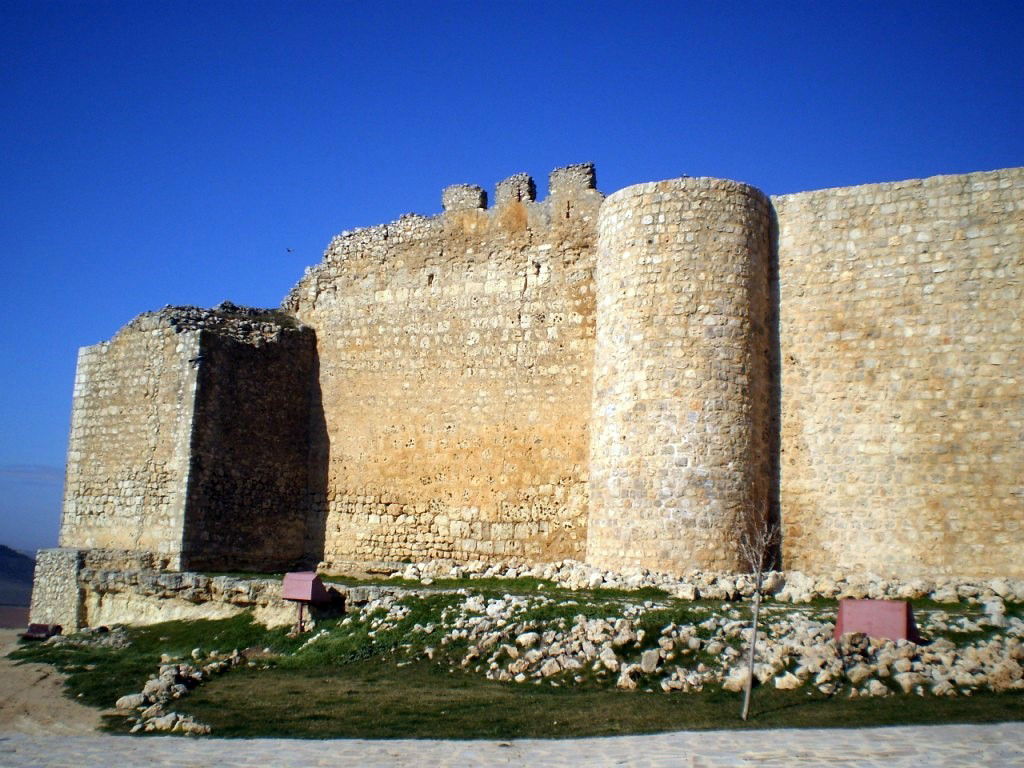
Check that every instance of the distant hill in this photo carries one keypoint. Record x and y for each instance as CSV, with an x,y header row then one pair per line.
x,y
15,577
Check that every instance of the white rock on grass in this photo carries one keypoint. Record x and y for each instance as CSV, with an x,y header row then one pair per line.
x,y
131,701
164,723
877,688
684,591
649,661
1006,675
787,682
995,612
609,659
858,673
550,667
736,680
527,639
908,680
626,681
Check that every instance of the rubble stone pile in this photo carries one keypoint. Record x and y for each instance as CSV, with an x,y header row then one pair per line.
x,y
172,681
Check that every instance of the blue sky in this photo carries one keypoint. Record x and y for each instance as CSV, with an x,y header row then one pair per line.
x,y
173,152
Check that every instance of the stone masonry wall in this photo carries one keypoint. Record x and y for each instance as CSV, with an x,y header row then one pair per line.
x,y
455,360
250,451
902,387
128,450
682,408
56,596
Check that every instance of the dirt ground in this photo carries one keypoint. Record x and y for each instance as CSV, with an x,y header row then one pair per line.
x,y
32,697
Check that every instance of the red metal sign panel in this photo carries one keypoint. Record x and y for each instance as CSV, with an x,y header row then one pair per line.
x,y
893,619
304,586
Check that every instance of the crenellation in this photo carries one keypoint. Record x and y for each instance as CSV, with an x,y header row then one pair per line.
x,y
518,188
631,380
463,197
436,356
570,180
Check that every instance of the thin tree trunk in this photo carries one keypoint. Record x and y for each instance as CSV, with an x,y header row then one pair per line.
x,y
753,646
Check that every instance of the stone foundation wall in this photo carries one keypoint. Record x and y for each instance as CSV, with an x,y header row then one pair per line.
x,y
83,588
680,459
141,597
902,385
455,362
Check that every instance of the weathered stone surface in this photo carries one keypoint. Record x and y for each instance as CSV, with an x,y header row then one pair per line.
x,y
550,667
56,595
787,682
164,723
900,337
877,688
649,661
858,673
737,679
131,701
527,639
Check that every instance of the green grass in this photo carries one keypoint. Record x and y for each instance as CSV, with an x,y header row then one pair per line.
x,y
249,575
422,700
99,676
491,587
358,644
358,681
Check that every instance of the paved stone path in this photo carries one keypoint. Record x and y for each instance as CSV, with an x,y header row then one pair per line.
x,y
1000,746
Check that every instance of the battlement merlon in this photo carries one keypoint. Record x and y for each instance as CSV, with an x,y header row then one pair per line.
x,y
571,180
567,184
517,188
463,197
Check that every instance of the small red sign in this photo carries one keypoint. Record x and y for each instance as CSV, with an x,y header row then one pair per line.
x,y
304,586
893,619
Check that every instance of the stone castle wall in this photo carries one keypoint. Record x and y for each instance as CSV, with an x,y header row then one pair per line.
x,y
902,387
679,452
455,359
56,593
589,378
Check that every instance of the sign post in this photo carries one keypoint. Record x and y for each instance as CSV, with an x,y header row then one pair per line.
x,y
302,588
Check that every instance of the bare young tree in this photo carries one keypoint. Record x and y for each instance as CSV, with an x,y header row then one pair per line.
x,y
757,548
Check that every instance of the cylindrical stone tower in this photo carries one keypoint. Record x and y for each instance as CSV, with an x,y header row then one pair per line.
x,y
683,402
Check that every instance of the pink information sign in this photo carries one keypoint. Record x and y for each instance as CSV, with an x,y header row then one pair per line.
x,y
893,619
304,586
